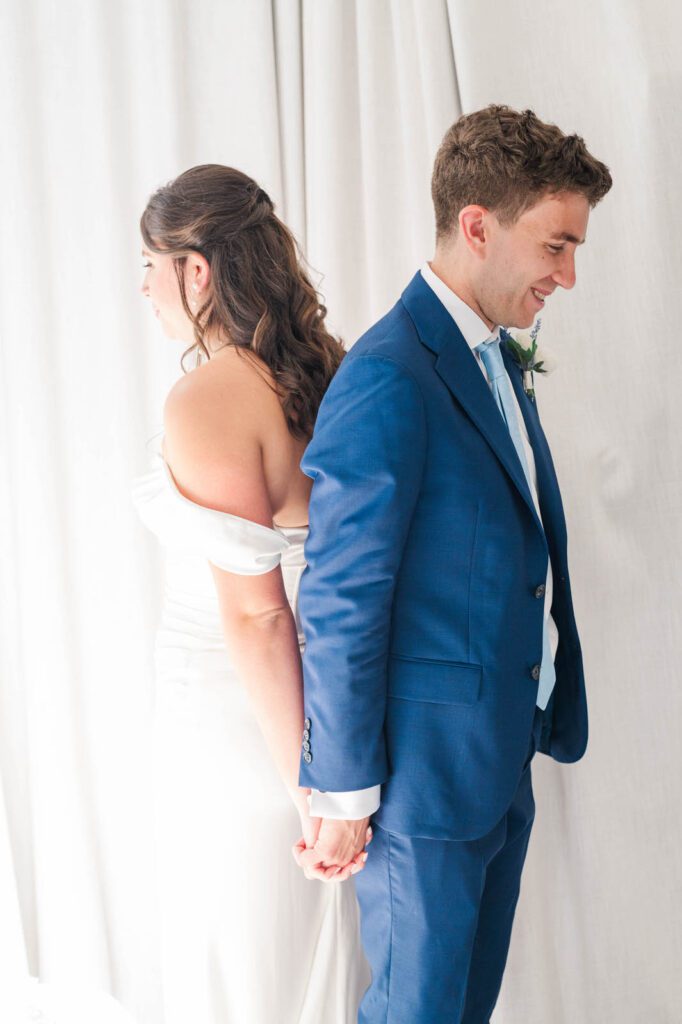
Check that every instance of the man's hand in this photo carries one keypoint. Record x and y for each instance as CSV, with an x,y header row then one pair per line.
x,y
339,851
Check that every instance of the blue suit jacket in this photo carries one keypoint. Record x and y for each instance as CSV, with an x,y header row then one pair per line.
x,y
418,602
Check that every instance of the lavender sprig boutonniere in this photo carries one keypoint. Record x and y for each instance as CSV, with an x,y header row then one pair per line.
x,y
524,348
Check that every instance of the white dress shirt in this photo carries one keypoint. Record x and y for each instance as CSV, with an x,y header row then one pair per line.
x,y
361,803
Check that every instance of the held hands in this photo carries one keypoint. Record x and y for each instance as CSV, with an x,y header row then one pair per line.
x,y
337,850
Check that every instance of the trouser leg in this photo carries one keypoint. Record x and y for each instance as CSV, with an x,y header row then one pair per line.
x,y
437,918
419,901
498,904
500,896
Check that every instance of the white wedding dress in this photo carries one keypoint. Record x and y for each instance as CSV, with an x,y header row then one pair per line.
x,y
247,939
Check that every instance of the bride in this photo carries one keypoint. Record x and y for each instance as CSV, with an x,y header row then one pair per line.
x,y
246,938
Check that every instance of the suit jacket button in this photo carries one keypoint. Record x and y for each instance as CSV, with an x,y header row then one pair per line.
x,y
306,746
540,590
307,757
306,723
306,734
535,672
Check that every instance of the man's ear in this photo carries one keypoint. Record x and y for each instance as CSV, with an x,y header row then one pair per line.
x,y
472,227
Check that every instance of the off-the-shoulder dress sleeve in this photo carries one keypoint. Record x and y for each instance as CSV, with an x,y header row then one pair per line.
x,y
230,542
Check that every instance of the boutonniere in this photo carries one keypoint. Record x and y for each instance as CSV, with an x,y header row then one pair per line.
x,y
525,350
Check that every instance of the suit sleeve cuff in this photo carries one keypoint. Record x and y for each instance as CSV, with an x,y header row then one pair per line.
x,y
350,806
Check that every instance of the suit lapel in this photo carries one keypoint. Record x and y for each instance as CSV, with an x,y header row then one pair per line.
x,y
549,495
456,365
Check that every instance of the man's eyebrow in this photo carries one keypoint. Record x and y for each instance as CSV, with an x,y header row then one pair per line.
x,y
566,236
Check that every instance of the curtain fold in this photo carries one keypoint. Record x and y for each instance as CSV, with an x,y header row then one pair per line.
x,y
379,92
336,107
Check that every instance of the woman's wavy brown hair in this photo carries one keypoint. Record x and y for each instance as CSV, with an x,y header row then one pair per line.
x,y
260,297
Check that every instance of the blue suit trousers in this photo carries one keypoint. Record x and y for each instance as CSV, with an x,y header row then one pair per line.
x,y
437,916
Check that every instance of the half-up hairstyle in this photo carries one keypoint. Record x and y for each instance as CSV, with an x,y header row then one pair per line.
x,y
260,297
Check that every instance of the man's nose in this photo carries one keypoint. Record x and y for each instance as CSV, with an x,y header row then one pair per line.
x,y
565,275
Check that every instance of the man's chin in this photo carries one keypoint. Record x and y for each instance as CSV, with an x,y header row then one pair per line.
x,y
521,322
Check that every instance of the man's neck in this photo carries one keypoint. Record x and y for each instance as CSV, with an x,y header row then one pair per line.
x,y
457,283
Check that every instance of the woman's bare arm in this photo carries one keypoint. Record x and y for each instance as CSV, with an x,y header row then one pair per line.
x,y
216,460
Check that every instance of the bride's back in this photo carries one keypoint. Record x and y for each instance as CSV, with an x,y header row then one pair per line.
x,y
231,408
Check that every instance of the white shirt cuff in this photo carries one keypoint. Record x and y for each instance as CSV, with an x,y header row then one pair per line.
x,y
350,806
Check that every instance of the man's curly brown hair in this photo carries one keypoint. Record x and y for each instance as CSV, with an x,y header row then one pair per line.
x,y
507,160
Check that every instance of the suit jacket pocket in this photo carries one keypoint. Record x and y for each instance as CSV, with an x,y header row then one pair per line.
x,y
433,682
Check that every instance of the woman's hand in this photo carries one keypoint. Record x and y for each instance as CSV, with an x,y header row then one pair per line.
x,y
310,827
313,859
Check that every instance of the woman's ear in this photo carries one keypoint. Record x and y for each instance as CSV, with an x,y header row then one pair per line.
x,y
197,274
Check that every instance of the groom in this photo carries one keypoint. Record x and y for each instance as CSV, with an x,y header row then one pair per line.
x,y
442,650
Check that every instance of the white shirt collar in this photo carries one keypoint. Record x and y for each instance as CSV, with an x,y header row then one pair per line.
x,y
474,330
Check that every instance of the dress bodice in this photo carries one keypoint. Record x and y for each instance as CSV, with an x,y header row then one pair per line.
x,y
194,535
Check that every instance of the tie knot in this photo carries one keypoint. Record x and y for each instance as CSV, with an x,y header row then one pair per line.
x,y
492,358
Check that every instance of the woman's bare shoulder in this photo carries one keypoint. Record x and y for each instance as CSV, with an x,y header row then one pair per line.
x,y
227,386
213,440
230,397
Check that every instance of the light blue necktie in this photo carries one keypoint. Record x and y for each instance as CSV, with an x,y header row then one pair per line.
x,y
501,388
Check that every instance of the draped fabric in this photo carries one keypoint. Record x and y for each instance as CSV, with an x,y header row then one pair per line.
x,y
336,107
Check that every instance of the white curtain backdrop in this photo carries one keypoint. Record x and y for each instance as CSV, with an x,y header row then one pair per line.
x,y
337,108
